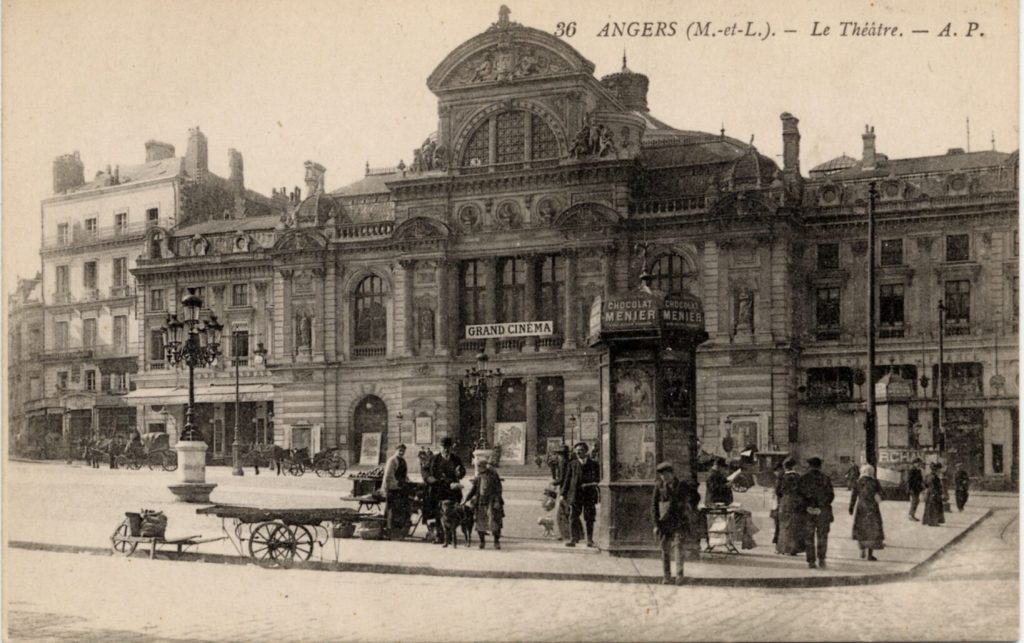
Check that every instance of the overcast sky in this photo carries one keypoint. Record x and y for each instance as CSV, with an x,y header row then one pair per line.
x,y
343,83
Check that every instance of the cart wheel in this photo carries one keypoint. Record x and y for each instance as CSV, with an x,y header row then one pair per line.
x,y
120,461
263,542
119,540
134,463
320,471
339,468
169,462
295,469
295,542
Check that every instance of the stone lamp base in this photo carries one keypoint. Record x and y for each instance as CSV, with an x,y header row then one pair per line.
x,y
192,472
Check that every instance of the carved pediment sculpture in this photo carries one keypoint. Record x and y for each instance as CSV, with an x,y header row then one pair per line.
x,y
421,228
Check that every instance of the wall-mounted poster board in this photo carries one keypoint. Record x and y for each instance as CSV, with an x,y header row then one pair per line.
x,y
369,452
512,438
424,429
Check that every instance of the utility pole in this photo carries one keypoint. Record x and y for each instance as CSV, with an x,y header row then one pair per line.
x,y
870,450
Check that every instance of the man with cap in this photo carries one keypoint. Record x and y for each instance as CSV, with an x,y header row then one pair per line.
x,y
915,485
816,489
579,490
442,477
559,465
675,518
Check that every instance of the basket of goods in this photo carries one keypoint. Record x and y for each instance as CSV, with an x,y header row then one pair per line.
x,y
344,530
366,482
154,524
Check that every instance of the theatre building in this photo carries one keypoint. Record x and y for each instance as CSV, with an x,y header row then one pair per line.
x,y
545,188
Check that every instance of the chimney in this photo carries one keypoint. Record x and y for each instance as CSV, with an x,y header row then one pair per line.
x,y
790,143
868,160
237,170
314,178
158,151
196,160
68,172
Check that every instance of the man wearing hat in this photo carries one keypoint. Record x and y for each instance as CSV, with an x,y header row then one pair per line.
x,y
579,490
915,485
719,491
559,462
816,489
442,477
675,517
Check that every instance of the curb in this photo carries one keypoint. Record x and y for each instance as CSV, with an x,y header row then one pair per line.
x,y
421,570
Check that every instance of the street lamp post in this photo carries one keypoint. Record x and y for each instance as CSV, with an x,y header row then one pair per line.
x,y
870,431
476,383
938,379
194,343
240,352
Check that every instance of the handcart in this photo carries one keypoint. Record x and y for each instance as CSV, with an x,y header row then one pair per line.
x,y
128,535
282,535
728,525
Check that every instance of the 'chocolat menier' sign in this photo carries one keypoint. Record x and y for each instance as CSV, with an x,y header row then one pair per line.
x,y
651,311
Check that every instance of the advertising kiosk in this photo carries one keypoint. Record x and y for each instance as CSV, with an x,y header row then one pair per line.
x,y
648,410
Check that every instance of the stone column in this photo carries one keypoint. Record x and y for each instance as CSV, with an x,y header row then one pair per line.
x,y
491,299
530,294
609,270
532,448
409,272
571,326
445,308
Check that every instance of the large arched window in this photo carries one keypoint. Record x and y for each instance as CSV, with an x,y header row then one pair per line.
x,y
670,275
510,140
551,304
371,319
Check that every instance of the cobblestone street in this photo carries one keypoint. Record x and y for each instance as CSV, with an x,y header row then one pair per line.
x,y
969,593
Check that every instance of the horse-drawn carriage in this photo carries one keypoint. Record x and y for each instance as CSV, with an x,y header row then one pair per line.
x,y
152,450
328,462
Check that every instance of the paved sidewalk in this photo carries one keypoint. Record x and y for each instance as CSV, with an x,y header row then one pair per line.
x,y
94,503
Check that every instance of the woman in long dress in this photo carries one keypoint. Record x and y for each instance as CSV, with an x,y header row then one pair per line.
x,y
934,497
791,511
867,516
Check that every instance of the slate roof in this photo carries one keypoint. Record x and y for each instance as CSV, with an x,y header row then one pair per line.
x,y
926,164
162,169
216,226
369,184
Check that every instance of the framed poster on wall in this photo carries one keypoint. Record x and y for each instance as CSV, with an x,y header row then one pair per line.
x,y
424,429
369,452
588,426
512,438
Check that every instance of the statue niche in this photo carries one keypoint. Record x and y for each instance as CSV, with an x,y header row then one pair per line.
x,y
303,330
744,316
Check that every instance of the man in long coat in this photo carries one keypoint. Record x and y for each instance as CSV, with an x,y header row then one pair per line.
x,y
675,518
442,477
961,486
816,489
579,489
915,485
559,467
396,479
792,510
487,502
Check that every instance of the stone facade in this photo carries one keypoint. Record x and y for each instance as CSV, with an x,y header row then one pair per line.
x,y
544,188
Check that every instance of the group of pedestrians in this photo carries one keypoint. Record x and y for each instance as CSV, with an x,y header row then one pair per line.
x,y
929,490
443,474
576,479
803,512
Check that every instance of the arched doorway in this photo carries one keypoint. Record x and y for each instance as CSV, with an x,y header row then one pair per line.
x,y
370,416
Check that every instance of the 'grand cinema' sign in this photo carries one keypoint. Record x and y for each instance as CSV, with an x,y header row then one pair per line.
x,y
510,329
647,311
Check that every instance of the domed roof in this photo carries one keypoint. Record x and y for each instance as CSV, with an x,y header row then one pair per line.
x,y
837,164
316,210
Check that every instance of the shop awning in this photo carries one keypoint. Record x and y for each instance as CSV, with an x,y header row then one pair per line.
x,y
204,394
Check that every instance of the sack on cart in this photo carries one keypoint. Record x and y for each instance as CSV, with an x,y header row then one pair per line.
x,y
154,524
